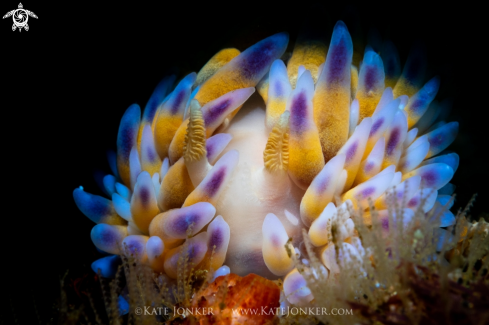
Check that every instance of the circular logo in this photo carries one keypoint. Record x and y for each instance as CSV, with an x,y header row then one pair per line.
x,y
20,17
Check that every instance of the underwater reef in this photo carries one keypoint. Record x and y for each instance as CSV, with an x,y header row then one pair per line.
x,y
321,169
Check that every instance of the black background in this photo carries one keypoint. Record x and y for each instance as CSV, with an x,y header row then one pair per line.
x,y
67,81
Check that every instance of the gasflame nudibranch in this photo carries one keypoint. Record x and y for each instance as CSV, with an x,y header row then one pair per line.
x,y
240,157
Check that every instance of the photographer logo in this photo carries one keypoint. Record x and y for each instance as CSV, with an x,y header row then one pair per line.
x,y
20,17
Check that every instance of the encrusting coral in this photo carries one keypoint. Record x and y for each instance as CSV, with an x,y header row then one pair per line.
x,y
292,185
